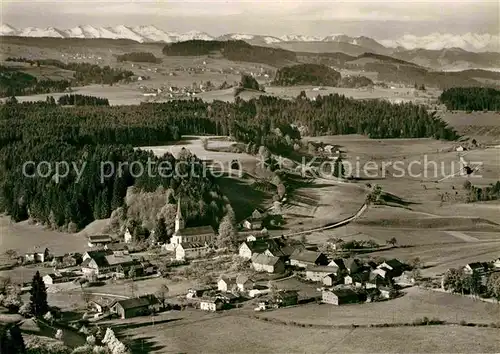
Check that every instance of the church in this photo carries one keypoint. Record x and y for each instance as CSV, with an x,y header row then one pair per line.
x,y
195,235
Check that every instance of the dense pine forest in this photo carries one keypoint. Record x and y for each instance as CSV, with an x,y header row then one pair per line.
x,y
231,50
44,131
82,100
15,83
307,74
85,73
471,99
138,57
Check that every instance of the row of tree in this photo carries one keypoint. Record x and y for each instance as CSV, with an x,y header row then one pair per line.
x,y
480,194
138,57
458,281
471,99
307,74
17,83
82,100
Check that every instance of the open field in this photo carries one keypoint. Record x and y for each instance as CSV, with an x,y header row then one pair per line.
x,y
416,303
211,335
23,238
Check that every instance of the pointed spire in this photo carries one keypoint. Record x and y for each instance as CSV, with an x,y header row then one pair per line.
x,y
179,212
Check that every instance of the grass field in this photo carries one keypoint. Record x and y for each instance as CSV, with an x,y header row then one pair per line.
x,y
416,303
230,334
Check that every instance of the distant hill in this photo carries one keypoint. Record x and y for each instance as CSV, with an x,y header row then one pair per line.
x,y
323,47
307,74
232,50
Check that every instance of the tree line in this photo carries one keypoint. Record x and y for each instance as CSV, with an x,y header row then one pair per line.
x,y
138,57
82,100
17,83
471,99
307,74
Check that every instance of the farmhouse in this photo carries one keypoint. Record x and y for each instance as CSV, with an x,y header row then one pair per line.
x,y
211,304
319,272
285,298
99,240
226,284
270,264
197,235
103,262
358,279
394,266
476,268
406,278
376,281
39,257
189,250
269,246
58,277
329,280
305,258
496,263
337,263
252,224
339,296
139,306
244,283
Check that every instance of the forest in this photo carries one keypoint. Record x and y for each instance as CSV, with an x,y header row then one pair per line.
x,y
85,73
307,74
231,50
138,57
82,100
16,83
471,99
44,131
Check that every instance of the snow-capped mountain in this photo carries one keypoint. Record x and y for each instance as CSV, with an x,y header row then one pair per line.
x,y
300,38
470,41
251,38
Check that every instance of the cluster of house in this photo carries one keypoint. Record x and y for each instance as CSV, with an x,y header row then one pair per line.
x,y
107,263
482,269
127,308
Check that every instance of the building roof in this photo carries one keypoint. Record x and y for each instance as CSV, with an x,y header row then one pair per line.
x,y
242,279
306,256
197,230
394,263
264,259
323,269
100,238
344,293
262,244
338,262
478,265
228,280
351,263
192,245
113,259
142,301
286,294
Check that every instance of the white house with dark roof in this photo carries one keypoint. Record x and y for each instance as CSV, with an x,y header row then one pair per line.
x,y
306,258
244,283
99,240
270,264
226,284
190,250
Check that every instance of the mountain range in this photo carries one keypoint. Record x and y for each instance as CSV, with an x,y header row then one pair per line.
x,y
471,41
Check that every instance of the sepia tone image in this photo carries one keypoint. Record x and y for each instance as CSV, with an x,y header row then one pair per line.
x,y
249,176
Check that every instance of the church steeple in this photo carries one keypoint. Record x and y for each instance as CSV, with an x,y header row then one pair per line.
x,y
179,220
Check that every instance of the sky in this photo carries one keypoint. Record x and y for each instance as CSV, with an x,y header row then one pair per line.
x,y
379,19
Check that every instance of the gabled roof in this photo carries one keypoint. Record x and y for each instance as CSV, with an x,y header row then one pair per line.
x,y
394,263
100,238
338,262
142,301
261,245
344,293
242,279
227,280
264,259
478,265
351,263
113,260
305,256
197,230
323,269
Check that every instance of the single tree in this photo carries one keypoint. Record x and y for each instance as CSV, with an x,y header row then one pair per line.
x,y
38,298
162,293
392,241
161,233
11,339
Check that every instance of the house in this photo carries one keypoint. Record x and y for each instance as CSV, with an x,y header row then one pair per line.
x,y
248,249
383,272
259,213
358,279
226,284
352,265
339,296
190,250
319,272
305,258
58,277
244,283
98,306
338,263
406,278
39,257
460,148
197,235
285,298
252,224
211,304
127,236
138,306
476,268
386,292
396,267
104,262
496,263
265,263
99,240
376,281
196,292
329,280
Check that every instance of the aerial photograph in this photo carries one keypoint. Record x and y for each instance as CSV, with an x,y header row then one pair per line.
x,y
249,176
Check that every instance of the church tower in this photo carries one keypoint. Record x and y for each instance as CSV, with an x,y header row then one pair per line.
x,y
179,220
